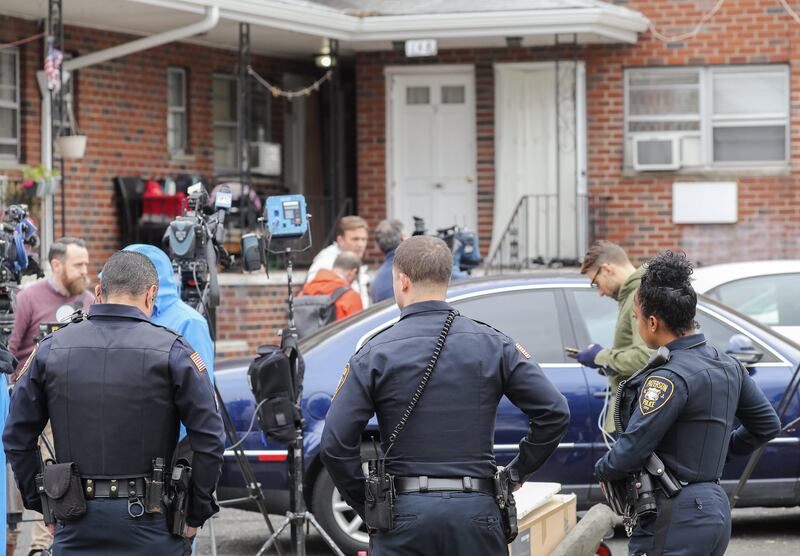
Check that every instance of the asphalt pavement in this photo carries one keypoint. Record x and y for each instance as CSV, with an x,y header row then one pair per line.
x,y
756,532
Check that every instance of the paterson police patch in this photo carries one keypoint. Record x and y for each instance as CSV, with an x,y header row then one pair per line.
x,y
198,362
522,350
655,394
342,380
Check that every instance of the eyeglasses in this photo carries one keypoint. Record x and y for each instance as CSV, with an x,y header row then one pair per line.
x,y
596,274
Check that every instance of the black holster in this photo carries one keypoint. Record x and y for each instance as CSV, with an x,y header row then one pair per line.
x,y
177,499
504,482
154,488
59,486
380,496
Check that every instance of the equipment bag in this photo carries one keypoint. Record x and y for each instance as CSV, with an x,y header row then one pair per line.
x,y
272,382
62,485
312,312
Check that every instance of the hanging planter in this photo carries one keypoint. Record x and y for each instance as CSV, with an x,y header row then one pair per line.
x,y
71,146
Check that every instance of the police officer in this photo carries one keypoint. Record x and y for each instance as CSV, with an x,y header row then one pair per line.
x,y
443,459
116,387
683,406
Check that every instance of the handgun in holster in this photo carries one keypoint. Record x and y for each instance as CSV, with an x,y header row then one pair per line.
x,y
154,488
380,495
47,506
504,482
178,498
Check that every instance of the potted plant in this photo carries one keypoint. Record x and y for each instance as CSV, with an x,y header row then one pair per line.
x,y
72,144
43,178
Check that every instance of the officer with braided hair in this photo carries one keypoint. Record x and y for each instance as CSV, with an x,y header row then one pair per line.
x,y
442,460
682,406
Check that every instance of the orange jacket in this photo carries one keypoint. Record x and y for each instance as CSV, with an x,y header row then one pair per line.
x,y
325,283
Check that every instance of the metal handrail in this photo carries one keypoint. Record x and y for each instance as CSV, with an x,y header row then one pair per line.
x,y
534,235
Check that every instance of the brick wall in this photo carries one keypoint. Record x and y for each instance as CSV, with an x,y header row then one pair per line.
x,y
639,206
122,107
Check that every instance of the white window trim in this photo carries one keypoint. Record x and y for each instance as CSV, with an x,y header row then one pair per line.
x,y
706,115
14,106
178,110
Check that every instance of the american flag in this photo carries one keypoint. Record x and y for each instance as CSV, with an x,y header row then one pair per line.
x,y
198,362
51,64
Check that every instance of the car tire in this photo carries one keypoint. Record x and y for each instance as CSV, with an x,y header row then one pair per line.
x,y
337,518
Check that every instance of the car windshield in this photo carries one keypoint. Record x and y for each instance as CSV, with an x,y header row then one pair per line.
x,y
773,300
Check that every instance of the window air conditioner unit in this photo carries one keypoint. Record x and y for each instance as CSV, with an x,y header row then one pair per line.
x,y
656,152
265,158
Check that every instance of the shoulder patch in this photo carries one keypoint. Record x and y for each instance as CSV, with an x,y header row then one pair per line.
x,y
656,393
198,362
522,350
342,380
28,362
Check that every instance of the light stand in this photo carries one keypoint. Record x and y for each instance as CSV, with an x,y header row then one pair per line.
x,y
299,516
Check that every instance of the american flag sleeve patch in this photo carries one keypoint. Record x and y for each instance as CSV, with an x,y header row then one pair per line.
x,y
198,362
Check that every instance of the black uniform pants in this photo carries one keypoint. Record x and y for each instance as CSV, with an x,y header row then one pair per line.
x,y
108,530
443,523
697,522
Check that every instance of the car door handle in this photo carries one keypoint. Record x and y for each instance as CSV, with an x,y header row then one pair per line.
x,y
438,186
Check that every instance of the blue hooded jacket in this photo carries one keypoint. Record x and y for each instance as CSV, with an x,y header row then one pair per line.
x,y
173,313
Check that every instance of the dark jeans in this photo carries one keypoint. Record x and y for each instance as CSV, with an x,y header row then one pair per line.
x,y
697,524
457,524
108,530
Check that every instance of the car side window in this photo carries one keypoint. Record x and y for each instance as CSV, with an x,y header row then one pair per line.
x,y
528,317
599,315
718,334
773,300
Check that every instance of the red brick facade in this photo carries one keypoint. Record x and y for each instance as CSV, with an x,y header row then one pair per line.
x,y
639,205
122,106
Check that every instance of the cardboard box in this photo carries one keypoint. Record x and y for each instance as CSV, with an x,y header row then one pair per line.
x,y
542,529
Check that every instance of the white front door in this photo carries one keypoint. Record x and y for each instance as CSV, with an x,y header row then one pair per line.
x,y
432,149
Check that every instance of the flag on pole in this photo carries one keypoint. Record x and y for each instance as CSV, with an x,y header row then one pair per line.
x,y
51,64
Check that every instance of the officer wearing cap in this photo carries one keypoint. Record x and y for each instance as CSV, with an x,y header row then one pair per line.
x,y
682,406
116,388
442,460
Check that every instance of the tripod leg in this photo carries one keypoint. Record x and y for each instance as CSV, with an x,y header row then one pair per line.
x,y
274,538
313,521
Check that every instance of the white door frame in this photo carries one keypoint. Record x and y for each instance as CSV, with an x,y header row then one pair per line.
x,y
392,71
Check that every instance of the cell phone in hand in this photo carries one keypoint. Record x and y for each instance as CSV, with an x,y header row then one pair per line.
x,y
572,352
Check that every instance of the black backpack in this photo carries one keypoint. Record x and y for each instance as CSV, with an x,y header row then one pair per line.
x,y
312,312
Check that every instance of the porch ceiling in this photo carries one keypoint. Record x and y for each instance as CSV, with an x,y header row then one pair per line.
x,y
295,27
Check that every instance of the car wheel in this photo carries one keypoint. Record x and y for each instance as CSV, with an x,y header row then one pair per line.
x,y
337,518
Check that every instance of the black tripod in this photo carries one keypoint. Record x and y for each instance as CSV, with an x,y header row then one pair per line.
x,y
299,516
254,492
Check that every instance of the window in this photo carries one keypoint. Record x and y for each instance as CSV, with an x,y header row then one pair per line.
x,y
717,115
177,135
225,117
529,317
773,300
9,105
599,315
718,334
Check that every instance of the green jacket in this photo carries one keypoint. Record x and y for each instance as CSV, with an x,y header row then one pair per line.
x,y
629,352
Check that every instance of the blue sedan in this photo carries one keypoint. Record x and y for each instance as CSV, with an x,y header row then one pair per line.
x,y
546,313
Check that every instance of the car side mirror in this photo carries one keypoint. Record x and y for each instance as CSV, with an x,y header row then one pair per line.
x,y
741,348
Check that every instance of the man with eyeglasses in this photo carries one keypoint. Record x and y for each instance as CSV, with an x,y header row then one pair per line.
x,y
614,276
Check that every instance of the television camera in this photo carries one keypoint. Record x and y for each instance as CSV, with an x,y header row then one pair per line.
x,y
461,241
195,243
16,233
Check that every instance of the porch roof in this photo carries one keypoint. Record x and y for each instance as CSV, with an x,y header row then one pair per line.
x,y
295,27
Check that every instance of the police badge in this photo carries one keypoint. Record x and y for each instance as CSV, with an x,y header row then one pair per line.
x,y
656,392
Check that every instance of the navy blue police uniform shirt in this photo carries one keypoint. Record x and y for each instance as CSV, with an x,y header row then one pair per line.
x,y
685,410
451,432
193,397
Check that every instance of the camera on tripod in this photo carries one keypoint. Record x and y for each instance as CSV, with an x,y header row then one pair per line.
x,y
461,241
17,233
195,243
